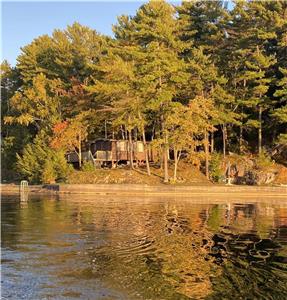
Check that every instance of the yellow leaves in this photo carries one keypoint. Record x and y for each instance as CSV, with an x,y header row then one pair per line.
x,y
35,103
24,119
8,120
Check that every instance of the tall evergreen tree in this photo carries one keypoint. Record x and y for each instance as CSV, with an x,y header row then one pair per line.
x,y
280,113
153,28
257,78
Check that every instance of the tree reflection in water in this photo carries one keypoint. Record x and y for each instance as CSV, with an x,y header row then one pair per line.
x,y
253,267
146,248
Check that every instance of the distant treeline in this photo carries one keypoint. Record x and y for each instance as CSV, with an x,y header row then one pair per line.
x,y
194,78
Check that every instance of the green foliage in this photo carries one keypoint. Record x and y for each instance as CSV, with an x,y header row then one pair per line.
x,y
170,74
282,139
88,166
7,158
39,163
48,173
36,105
263,161
215,167
215,218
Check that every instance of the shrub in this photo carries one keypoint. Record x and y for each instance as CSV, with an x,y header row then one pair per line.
x,y
215,167
48,174
263,161
88,166
39,163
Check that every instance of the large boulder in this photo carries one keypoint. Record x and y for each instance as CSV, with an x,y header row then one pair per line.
x,y
249,170
279,154
255,177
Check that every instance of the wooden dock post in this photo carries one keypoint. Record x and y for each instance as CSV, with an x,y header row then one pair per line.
x,y
24,190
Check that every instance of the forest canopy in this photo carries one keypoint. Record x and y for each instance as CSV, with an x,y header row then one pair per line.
x,y
194,78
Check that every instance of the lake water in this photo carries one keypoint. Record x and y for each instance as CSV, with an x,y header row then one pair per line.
x,y
99,247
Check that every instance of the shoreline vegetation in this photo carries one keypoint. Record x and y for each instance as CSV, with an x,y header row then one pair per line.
x,y
206,93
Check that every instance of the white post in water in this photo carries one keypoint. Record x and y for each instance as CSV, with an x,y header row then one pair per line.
x,y
24,190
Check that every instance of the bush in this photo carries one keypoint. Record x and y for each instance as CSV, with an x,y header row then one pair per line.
x,y
48,174
282,139
88,166
40,164
215,167
61,167
263,161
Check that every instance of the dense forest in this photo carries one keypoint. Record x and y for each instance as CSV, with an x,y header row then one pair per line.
x,y
194,79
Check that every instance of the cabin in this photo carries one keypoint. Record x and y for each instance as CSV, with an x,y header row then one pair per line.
x,y
103,152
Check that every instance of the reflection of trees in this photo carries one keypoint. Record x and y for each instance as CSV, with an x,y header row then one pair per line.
x,y
140,248
158,249
9,221
185,265
171,253
250,267
253,262
160,255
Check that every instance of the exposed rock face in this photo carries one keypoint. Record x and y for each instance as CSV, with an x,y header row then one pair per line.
x,y
254,177
246,171
279,153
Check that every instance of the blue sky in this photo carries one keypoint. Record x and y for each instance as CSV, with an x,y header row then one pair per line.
x,y
23,21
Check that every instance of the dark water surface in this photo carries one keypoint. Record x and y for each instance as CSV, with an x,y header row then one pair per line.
x,y
144,248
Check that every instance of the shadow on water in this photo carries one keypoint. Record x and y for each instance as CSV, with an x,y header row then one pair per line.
x,y
143,248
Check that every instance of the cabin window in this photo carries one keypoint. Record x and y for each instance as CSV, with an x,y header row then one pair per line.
x,y
107,145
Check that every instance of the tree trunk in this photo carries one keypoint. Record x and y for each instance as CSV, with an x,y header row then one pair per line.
x,y
212,142
176,160
161,157
206,154
165,146
122,131
260,130
131,150
165,161
241,126
135,134
165,149
153,132
80,152
224,140
240,139
146,152
106,132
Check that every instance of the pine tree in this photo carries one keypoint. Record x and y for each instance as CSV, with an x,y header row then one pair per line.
x,y
253,30
174,75
280,114
256,76
203,29
205,81
153,30
39,161
203,25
